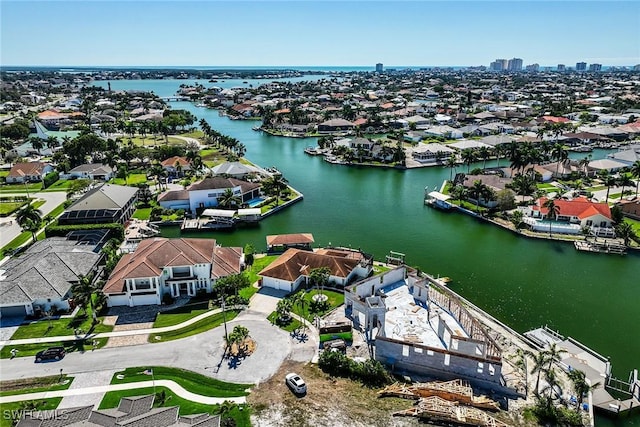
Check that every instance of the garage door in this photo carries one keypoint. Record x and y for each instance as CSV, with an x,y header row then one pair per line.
x,y
14,311
144,300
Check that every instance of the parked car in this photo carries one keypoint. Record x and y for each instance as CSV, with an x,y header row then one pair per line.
x,y
52,353
296,383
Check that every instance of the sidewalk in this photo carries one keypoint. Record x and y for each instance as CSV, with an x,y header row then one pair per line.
x,y
112,334
173,386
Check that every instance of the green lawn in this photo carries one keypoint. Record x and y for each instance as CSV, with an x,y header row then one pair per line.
x,y
377,269
197,134
20,188
200,326
28,350
4,173
142,213
22,238
335,299
112,399
8,409
57,210
133,179
347,336
38,203
57,327
258,265
35,385
7,208
543,186
181,314
60,185
635,224
291,326
191,381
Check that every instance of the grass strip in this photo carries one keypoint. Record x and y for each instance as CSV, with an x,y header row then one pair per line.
x,y
35,385
289,326
196,328
26,350
191,381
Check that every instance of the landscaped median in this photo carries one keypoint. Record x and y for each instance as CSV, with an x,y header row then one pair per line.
x,y
197,327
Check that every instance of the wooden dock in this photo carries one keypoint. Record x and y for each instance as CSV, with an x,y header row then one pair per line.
x,y
600,247
205,225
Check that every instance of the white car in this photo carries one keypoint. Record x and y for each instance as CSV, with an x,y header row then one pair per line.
x,y
296,383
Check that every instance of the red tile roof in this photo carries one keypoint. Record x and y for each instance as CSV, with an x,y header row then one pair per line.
x,y
295,262
27,169
171,161
289,239
152,255
554,119
579,207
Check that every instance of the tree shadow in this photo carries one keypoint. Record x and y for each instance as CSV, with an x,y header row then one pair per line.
x,y
300,336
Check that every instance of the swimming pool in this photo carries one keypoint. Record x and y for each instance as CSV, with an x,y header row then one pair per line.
x,y
255,201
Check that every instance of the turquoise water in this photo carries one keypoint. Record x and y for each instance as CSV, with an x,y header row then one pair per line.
x,y
525,283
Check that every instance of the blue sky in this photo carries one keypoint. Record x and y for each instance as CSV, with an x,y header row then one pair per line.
x,y
360,33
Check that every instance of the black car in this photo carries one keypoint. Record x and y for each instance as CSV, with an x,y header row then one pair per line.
x,y
52,353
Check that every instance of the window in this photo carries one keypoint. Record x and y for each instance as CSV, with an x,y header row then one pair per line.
x,y
603,224
589,223
430,353
447,359
405,350
417,350
480,367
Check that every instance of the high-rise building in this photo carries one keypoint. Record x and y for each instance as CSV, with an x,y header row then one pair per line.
x,y
379,67
533,67
561,67
498,65
581,66
595,67
636,67
514,64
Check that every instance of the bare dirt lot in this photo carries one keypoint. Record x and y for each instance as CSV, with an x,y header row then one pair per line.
x,y
328,402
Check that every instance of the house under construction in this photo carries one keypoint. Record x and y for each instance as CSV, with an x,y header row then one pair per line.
x,y
419,327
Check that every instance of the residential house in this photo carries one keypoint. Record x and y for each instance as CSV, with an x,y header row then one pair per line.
x,y
293,268
176,165
28,172
423,331
41,278
207,192
235,170
282,242
630,208
444,131
468,143
95,171
134,411
580,212
174,267
628,156
335,125
430,153
108,203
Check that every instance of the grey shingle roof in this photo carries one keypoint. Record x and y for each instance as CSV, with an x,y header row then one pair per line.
x,y
45,270
107,196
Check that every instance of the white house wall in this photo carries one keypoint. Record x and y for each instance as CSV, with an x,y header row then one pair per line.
x,y
208,198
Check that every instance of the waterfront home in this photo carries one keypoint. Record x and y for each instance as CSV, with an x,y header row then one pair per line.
x,y
235,170
207,193
421,331
175,267
28,172
282,242
630,208
293,268
609,165
431,153
468,143
105,204
176,165
40,279
628,156
494,182
579,212
95,171
444,131
335,125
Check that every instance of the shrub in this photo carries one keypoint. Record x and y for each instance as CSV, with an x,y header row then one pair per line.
x,y
370,373
167,299
50,179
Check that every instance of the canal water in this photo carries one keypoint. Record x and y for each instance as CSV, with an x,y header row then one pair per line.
x,y
525,283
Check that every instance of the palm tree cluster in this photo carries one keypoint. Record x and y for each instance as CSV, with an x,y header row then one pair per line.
x,y
88,294
275,185
234,148
238,337
30,219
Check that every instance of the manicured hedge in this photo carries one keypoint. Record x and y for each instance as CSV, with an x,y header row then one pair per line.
x,y
50,179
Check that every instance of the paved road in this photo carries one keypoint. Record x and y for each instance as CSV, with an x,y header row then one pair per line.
x,y
9,229
202,353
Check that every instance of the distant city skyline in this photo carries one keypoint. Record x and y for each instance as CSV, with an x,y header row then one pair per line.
x,y
311,33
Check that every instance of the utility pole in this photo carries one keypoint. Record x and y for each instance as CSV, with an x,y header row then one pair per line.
x,y
224,319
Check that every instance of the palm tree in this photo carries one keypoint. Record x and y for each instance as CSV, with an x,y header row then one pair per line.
x,y
459,192
635,171
609,181
451,163
477,191
275,185
539,366
228,199
299,300
580,384
320,277
553,210
468,156
484,153
625,231
554,354
560,155
82,292
624,181
37,143
29,219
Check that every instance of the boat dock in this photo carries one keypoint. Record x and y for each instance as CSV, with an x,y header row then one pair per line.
x,y
597,369
203,224
600,247
437,200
